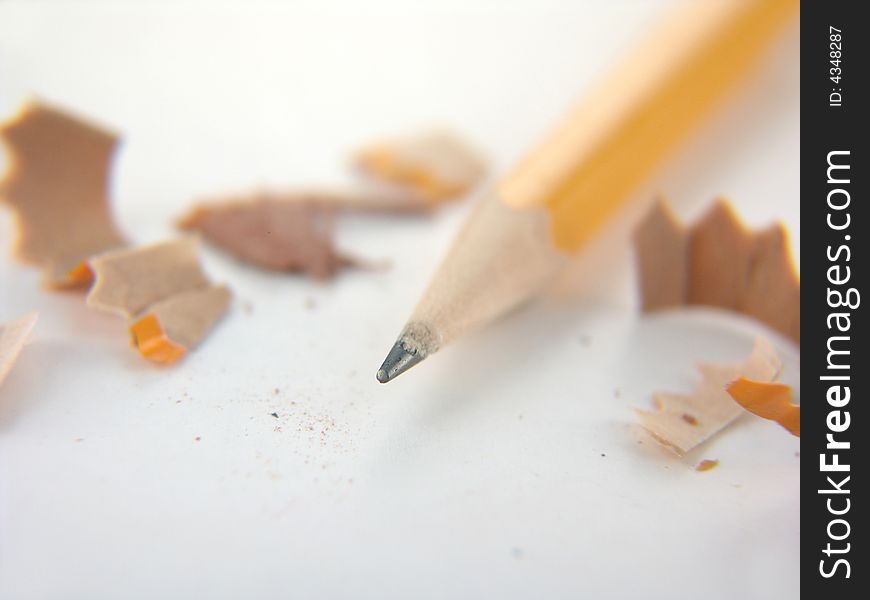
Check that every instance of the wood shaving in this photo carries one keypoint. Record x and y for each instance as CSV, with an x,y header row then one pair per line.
x,y
436,164
352,199
773,290
294,231
13,335
770,401
57,184
130,280
170,328
662,244
720,252
172,303
720,263
274,234
709,405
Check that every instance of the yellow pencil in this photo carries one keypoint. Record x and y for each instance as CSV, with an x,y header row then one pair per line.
x,y
570,185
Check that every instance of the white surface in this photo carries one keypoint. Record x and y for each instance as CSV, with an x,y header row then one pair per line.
x,y
480,474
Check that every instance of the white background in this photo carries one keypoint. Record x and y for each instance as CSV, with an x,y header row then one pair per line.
x,y
509,465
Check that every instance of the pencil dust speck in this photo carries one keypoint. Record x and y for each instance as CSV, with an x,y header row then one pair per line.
x,y
690,419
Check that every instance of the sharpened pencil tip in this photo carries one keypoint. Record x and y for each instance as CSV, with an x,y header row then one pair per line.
x,y
400,359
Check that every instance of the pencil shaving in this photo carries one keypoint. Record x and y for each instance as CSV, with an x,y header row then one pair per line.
x,y
385,200
770,401
57,185
13,335
173,326
162,287
352,199
130,280
773,290
437,164
710,406
279,235
662,243
720,252
720,263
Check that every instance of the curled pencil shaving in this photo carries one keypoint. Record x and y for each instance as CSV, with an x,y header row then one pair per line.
x,y
162,289
718,262
293,231
169,328
57,184
683,421
130,280
770,401
661,244
274,234
13,336
350,199
437,164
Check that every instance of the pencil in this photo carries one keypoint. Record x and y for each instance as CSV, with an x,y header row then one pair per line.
x,y
556,199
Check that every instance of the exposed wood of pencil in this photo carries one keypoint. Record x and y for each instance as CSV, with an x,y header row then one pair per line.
x,y
500,257
577,178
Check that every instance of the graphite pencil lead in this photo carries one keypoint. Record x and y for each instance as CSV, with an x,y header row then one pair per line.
x,y
400,359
